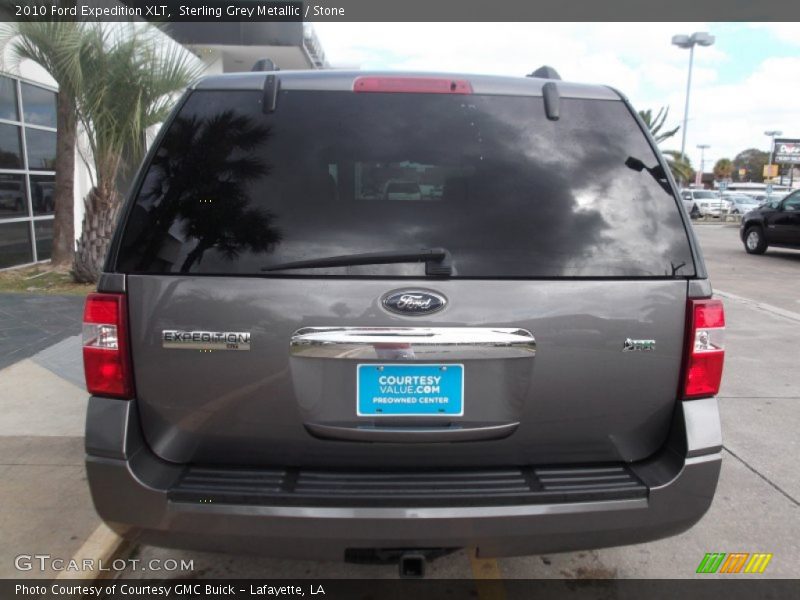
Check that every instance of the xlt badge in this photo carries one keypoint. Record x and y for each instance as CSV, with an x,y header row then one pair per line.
x,y
638,345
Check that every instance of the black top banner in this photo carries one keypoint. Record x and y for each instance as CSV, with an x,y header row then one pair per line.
x,y
210,11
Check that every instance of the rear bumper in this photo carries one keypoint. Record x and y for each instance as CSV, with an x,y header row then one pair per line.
x,y
131,486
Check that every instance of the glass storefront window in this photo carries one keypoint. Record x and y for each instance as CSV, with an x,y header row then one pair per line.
x,y
8,99
15,244
42,193
10,147
43,230
13,199
41,149
38,105
26,187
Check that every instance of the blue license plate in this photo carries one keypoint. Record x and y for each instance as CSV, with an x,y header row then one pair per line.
x,y
410,390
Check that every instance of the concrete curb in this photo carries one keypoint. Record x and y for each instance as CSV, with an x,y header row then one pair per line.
x,y
102,547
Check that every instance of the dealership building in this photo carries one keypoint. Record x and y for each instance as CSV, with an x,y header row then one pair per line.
x,y
28,122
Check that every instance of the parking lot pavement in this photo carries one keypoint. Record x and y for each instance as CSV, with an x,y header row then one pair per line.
x,y
46,507
756,508
771,278
31,323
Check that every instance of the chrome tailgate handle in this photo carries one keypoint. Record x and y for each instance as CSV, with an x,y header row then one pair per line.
x,y
413,343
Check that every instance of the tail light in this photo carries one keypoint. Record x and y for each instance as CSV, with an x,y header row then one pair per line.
x,y
705,353
106,362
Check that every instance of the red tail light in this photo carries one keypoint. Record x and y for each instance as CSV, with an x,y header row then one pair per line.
x,y
412,85
705,351
106,362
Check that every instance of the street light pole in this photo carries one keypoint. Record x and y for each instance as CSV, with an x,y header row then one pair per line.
x,y
686,105
702,160
690,41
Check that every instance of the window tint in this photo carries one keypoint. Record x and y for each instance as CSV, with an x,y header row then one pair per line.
x,y
39,105
16,246
42,194
506,191
8,99
13,200
41,147
44,238
10,147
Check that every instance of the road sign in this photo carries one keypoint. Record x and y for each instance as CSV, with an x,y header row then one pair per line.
x,y
787,151
723,185
742,172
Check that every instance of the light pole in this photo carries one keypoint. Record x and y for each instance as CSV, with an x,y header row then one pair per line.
x,y
702,162
772,134
690,41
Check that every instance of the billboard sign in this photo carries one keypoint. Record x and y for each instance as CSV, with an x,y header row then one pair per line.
x,y
787,151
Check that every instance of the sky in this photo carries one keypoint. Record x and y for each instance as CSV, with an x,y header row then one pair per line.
x,y
748,82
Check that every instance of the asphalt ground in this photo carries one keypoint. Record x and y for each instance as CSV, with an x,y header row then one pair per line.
x,y
47,508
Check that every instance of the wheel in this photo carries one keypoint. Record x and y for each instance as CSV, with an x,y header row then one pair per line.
x,y
754,242
695,213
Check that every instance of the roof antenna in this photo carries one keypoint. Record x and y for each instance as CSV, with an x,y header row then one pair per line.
x,y
545,72
265,64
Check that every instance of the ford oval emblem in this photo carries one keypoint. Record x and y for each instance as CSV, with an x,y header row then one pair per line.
x,y
414,302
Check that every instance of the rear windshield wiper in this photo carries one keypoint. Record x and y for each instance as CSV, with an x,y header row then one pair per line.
x,y
438,261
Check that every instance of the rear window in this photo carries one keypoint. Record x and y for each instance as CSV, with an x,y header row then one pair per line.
x,y
509,193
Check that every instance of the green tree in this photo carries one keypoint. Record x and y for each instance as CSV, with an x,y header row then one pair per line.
x,y
655,124
56,46
131,74
723,169
680,166
753,161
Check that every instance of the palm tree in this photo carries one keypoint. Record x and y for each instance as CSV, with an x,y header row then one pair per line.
x,y
655,124
131,76
56,46
723,168
680,166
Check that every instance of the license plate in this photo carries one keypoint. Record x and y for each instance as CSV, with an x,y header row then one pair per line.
x,y
410,390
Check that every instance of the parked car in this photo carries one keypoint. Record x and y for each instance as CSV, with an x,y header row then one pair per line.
x,y
702,203
283,368
401,190
776,223
739,204
762,197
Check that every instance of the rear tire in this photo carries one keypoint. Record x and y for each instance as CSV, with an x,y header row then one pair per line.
x,y
695,213
754,241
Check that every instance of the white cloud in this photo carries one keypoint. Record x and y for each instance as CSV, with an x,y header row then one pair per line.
x,y
636,58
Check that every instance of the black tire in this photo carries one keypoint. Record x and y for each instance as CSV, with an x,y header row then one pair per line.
x,y
695,213
754,240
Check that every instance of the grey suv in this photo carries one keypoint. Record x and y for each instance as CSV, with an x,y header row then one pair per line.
x,y
282,361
